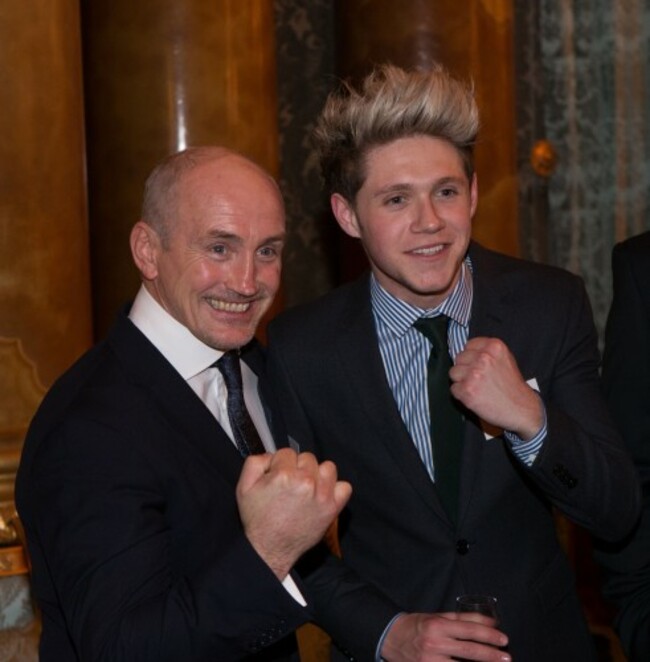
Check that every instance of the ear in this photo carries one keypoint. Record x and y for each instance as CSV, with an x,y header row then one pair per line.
x,y
473,194
345,215
145,246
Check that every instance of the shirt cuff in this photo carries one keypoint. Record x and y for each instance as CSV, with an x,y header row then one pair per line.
x,y
292,589
380,645
527,451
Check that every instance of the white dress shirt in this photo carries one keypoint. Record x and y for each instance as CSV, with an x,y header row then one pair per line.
x,y
194,361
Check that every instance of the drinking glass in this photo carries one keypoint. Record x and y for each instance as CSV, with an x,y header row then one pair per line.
x,y
478,604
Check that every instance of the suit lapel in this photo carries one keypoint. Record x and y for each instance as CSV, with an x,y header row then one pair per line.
x,y
365,378
362,365
488,317
489,305
253,355
175,399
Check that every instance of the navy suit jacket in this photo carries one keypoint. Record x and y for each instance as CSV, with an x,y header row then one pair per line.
x,y
626,378
126,489
400,551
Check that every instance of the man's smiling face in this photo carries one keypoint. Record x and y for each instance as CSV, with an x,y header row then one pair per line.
x,y
413,215
219,267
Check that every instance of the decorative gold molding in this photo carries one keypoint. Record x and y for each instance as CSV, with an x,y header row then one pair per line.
x,y
13,561
21,391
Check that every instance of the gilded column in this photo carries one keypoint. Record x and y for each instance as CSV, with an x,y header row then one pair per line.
x,y
44,286
44,275
161,75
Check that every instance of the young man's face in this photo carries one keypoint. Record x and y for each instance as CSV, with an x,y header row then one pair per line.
x,y
413,215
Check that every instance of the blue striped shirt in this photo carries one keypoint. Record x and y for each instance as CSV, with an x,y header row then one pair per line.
x,y
405,353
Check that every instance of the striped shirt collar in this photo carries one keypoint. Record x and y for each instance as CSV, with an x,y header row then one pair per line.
x,y
399,316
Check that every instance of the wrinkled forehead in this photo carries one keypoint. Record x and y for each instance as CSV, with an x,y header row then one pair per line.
x,y
230,187
229,173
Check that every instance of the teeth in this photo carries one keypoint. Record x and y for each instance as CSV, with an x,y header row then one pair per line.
x,y
428,251
228,306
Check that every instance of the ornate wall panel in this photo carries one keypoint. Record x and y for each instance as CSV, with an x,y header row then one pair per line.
x,y
305,47
584,88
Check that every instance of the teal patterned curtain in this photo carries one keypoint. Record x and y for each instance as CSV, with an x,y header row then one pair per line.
x,y
584,85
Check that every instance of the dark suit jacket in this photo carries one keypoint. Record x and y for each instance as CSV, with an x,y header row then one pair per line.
x,y
126,489
400,550
626,378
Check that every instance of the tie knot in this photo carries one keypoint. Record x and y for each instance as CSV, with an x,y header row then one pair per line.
x,y
434,329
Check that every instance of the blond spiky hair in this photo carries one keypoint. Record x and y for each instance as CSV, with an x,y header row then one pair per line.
x,y
392,103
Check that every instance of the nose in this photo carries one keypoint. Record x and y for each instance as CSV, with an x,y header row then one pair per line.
x,y
243,274
428,219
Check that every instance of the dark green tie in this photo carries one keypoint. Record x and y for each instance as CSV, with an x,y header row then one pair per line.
x,y
446,418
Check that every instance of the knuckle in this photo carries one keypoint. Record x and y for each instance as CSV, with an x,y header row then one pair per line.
x,y
306,461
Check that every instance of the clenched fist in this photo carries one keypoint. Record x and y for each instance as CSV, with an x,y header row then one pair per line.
x,y
487,380
286,502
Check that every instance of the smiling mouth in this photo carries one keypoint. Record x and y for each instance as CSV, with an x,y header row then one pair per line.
x,y
229,306
429,250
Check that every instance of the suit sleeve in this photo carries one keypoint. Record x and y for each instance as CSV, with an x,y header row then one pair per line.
x,y
626,379
583,467
111,561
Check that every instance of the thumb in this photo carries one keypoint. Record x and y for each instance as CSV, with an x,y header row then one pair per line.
x,y
342,494
255,466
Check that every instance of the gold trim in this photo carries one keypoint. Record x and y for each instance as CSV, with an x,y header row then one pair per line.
x,y
13,561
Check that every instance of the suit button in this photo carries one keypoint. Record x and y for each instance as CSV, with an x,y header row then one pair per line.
x,y
462,546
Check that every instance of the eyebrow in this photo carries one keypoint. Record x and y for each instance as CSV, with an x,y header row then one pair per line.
x,y
276,238
222,234
408,186
231,236
392,188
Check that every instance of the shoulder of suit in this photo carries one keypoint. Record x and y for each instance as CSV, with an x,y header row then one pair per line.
x,y
104,370
637,247
337,304
487,262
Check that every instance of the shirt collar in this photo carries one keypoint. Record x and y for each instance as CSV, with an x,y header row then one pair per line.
x,y
175,342
399,316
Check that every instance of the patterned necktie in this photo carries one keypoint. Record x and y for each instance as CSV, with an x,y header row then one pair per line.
x,y
246,436
446,418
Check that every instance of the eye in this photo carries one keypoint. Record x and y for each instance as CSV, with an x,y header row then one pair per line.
x,y
447,192
218,249
395,200
268,252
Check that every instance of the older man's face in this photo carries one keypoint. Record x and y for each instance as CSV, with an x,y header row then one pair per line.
x,y
220,268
